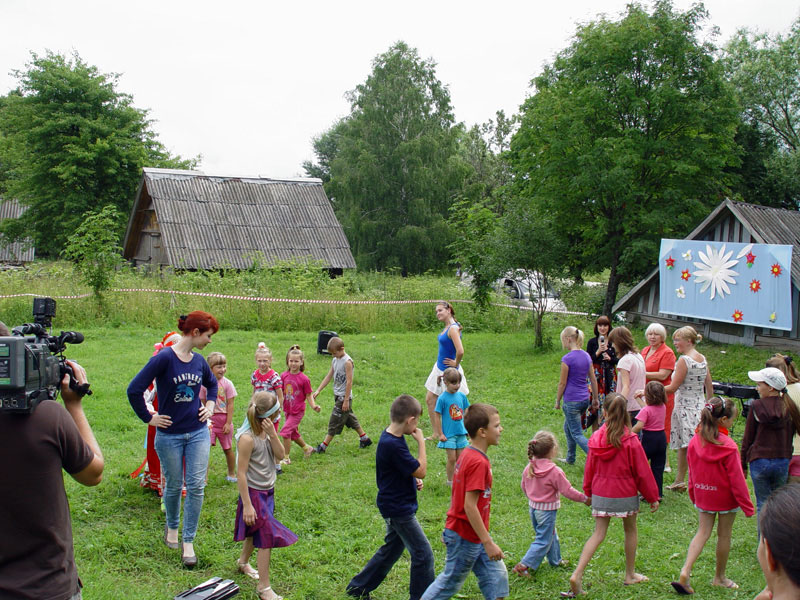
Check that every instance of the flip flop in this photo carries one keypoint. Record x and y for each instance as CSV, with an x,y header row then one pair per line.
x,y
731,585
681,588
569,594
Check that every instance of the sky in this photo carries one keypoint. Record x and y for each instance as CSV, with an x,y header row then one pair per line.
x,y
248,85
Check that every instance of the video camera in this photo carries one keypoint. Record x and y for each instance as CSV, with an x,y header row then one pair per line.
x,y
32,363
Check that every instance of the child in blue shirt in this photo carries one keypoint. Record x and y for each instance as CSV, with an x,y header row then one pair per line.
x,y
449,419
399,476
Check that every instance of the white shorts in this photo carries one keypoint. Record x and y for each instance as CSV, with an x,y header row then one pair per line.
x,y
438,388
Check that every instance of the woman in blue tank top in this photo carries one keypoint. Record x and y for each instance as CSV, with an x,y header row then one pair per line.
x,y
451,351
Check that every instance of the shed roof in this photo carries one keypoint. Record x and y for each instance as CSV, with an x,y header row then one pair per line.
x,y
765,224
209,221
17,252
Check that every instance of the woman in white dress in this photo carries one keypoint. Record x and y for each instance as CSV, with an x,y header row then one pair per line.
x,y
691,383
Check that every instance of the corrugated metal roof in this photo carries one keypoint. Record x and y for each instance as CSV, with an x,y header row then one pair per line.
x,y
210,221
18,252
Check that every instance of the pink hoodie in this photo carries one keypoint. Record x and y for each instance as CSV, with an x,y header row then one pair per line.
x,y
618,472
547,483
716,479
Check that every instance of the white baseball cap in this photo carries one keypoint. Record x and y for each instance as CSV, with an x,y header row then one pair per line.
x,y
771,376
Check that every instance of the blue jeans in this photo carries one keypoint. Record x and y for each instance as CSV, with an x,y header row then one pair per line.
x,y
462,557
175,449
768,474
572,428
401,533
546,542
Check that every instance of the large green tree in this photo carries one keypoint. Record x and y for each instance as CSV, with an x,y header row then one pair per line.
x,y
626,137
70,143
393,165
765,70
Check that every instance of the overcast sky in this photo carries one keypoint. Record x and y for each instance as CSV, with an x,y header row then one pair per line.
x,y
249,84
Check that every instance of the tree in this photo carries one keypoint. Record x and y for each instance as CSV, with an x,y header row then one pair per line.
x,y
395,168
626,138
94,248
765,69
70,142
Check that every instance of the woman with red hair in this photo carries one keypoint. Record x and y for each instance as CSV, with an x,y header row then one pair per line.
x,y
181,432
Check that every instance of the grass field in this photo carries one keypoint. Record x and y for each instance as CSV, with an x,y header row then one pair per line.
x,y
328,500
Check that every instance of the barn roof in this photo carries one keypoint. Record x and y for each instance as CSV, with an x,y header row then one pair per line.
x,y
766,225
18,252
209,221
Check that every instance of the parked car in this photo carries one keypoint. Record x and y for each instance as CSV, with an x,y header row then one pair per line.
x,y
518,290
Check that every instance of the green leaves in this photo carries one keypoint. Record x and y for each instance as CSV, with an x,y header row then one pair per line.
x,y
69,143
390,165
95,249
627,137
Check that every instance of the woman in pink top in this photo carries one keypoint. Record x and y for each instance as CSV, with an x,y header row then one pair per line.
x,y
716,487
544,483
630,367
650,422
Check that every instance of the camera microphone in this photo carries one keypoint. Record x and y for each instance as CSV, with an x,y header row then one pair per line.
x,y
71,337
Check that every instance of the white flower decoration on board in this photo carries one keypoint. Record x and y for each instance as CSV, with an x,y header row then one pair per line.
x,y
715,272
687,255
680,292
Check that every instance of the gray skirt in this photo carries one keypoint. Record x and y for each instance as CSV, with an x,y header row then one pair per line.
x,y
614,507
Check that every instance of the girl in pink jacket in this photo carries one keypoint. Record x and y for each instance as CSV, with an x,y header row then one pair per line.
x,y
544,483
716,487
616,473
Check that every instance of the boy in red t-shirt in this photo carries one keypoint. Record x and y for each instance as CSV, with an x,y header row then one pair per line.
x,y
466,533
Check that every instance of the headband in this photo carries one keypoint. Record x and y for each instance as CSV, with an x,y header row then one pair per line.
x,y
270,412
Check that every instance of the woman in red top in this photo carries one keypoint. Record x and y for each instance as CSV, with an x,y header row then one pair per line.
x,y
659,363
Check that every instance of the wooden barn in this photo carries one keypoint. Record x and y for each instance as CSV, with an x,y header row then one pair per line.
x,y
17,253
190,220
730,222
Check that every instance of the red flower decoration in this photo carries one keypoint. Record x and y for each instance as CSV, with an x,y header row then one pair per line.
x,y
775,269
685,275
737,316
670,262
755,285
751,258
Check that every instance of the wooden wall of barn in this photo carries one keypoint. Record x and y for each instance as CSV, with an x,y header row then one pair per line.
x,y
644,306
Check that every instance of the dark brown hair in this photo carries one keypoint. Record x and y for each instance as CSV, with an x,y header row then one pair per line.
x,y
601,320
622,338
477,417
617,418
715,409
197,319
654,393
780,527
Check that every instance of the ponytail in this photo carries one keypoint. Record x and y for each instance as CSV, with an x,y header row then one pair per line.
x,y
715,409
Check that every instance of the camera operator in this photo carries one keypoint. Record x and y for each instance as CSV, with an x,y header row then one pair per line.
x,y
36,552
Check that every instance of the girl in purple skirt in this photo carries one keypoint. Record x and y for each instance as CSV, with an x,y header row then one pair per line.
x,y
260,448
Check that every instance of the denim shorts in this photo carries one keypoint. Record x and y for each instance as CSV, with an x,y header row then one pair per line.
x,y
456,442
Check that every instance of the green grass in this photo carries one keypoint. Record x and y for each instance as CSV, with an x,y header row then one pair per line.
x,y
328,500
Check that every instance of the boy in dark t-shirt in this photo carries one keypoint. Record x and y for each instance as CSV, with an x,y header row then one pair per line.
x,y
466,533
399,476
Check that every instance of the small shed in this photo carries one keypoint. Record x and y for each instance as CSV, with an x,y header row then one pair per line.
x,y
190,220
730,222
16,253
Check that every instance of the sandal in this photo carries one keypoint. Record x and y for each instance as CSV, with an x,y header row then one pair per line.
x,y
727,583
272,594
679,486
247,569
286,461
521,570
683,589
